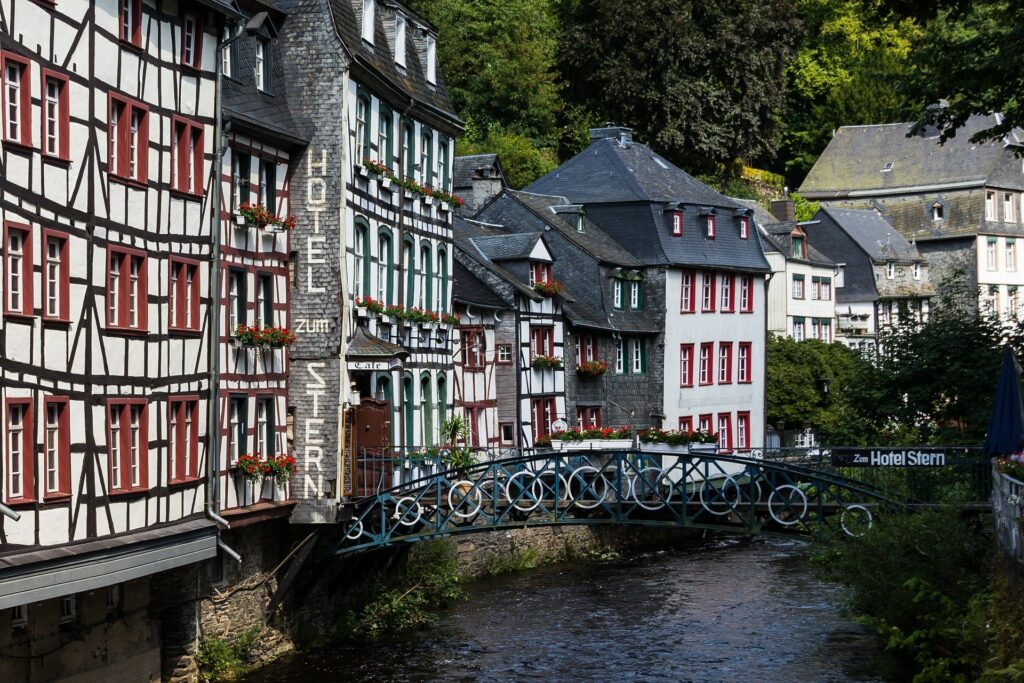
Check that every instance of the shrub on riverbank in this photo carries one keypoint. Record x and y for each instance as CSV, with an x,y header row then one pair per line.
x,y
923,581
408,598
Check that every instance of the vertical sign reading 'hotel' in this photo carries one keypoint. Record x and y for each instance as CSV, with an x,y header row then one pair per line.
x,y
314,385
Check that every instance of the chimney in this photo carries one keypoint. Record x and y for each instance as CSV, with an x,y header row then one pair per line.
x,y
623,134
784,210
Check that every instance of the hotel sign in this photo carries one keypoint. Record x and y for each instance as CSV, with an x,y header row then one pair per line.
x,y
888,458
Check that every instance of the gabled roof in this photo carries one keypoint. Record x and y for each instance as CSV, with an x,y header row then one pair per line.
x,y
610,171
856,159
469,289
465,234
247,108
378,61
507,247
780,237
873,234
466,167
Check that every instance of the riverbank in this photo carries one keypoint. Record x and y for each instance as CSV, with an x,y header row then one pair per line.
x,y
724,609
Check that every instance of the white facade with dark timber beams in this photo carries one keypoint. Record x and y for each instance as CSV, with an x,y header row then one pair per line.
x,y
106,152
363,79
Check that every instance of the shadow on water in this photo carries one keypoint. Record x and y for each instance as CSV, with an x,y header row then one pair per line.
x,y
724,611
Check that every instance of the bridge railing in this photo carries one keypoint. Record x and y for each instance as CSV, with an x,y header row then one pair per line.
x,y
1007,496
964,477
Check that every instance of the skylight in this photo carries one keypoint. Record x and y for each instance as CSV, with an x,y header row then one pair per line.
x,y
887,167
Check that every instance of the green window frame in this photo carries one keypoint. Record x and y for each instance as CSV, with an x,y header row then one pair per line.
x,y
409,410
442,399
362,228
427,271
410,271
442,267
386,266
409,150
426,409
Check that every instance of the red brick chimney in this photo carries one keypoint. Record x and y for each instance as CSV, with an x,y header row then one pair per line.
x,y
784,210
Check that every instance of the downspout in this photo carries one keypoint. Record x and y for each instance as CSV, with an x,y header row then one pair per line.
x,y
213,402
403,277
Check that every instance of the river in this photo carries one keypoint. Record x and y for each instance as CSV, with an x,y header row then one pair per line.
x,y
722,611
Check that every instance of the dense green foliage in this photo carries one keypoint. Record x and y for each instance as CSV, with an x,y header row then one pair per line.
x,y
922,581
220,660
711,83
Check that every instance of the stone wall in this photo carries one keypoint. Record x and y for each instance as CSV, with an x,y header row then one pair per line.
x,y
479,553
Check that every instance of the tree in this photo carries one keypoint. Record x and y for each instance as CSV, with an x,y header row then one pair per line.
x,y
847,71
701,81
972,63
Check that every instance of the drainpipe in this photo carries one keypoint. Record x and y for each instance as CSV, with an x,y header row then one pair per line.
x,y
8,512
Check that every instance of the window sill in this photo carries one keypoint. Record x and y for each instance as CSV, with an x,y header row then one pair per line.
x,y
131,45
185,194
18,146
183,483
50,321
138,491
127,331
56,498
55,160
191,69
130,182
17,316
750,311
184,332
19,502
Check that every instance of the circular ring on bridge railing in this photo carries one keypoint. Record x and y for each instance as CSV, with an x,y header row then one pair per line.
x,y
587,486
356,531
548,473
403,510
528,491
787,504
728,484
471,494
863,515
644,484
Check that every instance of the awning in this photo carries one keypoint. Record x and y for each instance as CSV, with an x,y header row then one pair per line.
x,y
44,573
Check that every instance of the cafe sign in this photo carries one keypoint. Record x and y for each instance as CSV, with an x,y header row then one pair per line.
x,y
888,458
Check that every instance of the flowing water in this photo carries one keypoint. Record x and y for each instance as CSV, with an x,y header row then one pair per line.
x,y
723,611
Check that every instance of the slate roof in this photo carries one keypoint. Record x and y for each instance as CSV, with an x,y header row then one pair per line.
x,y
854,159
469,289
779,237
378,60
507,246
761,215
610,171
465,233
248,108
873,234
363,345
465,167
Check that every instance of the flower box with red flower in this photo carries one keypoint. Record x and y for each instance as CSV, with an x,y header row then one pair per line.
x,y
592,368
248,466
366,304
260,216
548,288
596,438
450,319
247,335
542,362
277,337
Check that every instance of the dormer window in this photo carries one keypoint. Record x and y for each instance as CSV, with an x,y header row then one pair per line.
x,y
744,228
990,206
938,212
798,246
890,270
581,223
677,223
917,271
711,227
540,272
263,65
887,168
400,40
431,59
369,7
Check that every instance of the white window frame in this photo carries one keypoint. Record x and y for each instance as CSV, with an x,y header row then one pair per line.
x,y
1008,203
991,253
68,610
990,205
367,20
634,295
620,353
51,446
15,464
637,356
890,270
1011,254
400,40
260,66
617,293
51,116
431,59
12,100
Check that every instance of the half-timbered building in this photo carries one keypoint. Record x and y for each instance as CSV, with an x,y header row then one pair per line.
x,y
105,203
510,353
373,221
700,249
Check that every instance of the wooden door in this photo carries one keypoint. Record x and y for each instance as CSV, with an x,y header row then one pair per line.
x,y
372,425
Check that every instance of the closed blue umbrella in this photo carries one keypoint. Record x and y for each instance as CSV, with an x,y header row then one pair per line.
x,y
1006,427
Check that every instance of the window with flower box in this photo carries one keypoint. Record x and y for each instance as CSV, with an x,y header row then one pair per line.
x,y
540,272
544,412
238,427
17,269
704,423
586,349
56,447
183,439
127,307
542,340
268,184
17,99
56,117
241,164
128,139
686,424
588,417
19,461
127,445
